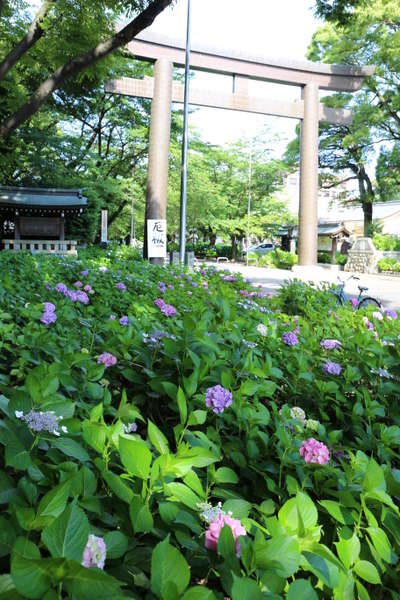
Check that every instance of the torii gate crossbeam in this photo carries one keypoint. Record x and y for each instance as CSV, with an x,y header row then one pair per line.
x,y
309,76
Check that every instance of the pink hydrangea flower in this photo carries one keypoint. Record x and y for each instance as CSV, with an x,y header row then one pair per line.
x,y
94,554
314,452
214,530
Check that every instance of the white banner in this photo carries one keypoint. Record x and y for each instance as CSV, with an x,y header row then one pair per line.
x,y
104,226
157,238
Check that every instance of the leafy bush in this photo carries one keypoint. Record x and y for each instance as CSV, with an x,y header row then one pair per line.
x,y
325,258
131,476
388,264
386,242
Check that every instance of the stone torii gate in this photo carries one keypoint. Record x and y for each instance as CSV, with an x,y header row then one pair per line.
x,y
311,77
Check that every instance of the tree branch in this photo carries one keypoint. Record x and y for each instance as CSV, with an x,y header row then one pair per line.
x,y
81,62
33,34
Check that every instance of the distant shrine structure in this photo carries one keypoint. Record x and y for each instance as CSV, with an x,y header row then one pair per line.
x,y
242,67
33,219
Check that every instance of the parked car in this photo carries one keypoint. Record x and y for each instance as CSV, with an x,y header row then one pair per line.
x,y
261,249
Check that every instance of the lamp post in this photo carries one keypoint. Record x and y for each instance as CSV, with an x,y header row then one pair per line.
x,y
182,224
133,233
249,200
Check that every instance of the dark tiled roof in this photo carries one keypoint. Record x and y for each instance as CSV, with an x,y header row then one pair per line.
x,y
41,197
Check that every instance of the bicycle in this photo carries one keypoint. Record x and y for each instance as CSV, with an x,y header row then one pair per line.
x,y
362,301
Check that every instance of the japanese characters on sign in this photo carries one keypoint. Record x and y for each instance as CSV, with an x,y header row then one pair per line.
x,y
104,226
157,238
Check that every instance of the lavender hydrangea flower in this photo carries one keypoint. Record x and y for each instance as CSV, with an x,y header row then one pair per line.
x,y
162,287
218,398
61,288
390,314
42,421
103,269
290,338
130,428
332,368
167,309
353,302
87,288
48,317
330,344
124,321
82,297
107,359
84,273
229,278
121,286
94,554
78,284
112,317
49,307
48,287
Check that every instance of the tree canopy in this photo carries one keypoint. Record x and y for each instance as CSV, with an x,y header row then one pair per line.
x,y
63,43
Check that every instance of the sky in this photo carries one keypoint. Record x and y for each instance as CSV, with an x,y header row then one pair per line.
x,y
272,28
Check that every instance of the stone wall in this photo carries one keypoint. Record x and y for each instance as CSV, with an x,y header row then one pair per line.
x,y
362,257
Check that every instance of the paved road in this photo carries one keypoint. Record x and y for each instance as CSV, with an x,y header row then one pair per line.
x,y
383,287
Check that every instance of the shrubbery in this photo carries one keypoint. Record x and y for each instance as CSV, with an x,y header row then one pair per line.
x,y
279,259
388,264
160,415
386,242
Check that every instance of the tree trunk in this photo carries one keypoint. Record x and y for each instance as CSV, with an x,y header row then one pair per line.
x,y
2,5
33,34
367,210
80,63
234,247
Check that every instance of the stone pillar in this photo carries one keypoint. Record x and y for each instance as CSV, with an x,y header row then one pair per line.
x,y
160,126
62,228
308,208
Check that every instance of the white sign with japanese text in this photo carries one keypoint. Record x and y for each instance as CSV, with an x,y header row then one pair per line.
x,y
157,238
104,226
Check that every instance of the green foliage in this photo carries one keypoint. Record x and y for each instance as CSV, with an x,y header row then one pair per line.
x,y
312,530
389,264
386,242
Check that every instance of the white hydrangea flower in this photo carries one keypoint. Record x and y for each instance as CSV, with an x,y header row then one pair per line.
x,y
262,329
312,424
297,413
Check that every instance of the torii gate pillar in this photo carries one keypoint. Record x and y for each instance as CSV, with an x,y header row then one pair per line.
x,y
160,128
308,207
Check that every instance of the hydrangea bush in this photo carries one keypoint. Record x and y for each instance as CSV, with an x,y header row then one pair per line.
x,y
213,443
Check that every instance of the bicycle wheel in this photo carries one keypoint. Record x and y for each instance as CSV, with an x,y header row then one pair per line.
x,y
368,301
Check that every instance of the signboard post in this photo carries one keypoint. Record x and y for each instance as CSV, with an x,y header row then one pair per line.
x,y
157,238
104,232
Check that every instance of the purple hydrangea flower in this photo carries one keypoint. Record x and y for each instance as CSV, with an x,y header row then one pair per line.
x,y
82,297
48,317
218,398
87,288
229,278
48,287
162,287
41,421
130,428
49,307
290,338
103,269
167,309
94,554
112,317
329,344
78,284
332,368
121,286
107,359
390,314
84,273
353,302
61,288
124,320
